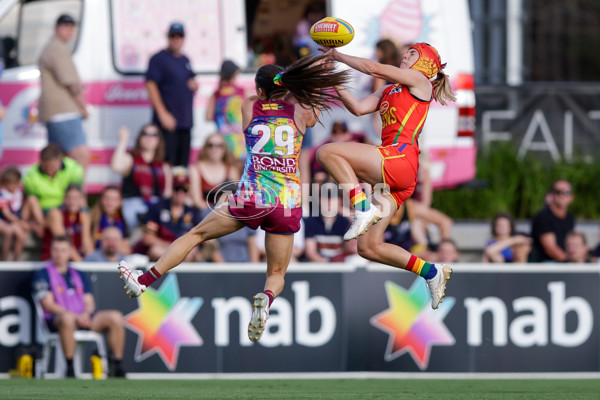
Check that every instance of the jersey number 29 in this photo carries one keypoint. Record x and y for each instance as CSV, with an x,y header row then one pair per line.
x,y
283,137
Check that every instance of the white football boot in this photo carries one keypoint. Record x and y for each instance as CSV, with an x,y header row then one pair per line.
x,y
130,276
260,313
437,285
362,221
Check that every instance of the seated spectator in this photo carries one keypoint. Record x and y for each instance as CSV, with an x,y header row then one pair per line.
x,y
550,226
324,233
146,175
447,252
213,168
27,210
72,220
68,303
501,248
576,248
13,229
107,212
109,247
167,220
46,182
297,251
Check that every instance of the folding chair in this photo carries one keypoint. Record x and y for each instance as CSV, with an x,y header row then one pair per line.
x,y
51,340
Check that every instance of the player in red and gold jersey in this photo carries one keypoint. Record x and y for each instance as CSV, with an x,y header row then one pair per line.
x,y
393,165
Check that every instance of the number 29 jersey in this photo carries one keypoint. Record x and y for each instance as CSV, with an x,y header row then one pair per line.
x,y
271,176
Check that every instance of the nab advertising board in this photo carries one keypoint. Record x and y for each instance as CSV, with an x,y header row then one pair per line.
x,y
527,318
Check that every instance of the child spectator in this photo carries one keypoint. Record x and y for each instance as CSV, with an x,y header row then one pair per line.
x,y
71,220
167,220
576,248
447,252
13,229
324,233
107,212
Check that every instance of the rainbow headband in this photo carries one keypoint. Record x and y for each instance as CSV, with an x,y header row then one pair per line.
x,y
429,63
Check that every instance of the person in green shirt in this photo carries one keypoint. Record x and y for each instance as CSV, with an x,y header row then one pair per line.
x,y
48,180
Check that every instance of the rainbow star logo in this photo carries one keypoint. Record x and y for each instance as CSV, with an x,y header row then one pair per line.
x,y
163,322
411,323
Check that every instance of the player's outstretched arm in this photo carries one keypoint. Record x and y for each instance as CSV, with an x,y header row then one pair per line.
x,y
362,106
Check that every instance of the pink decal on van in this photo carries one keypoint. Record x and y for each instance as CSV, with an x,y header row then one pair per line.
x,y
9,90
117,93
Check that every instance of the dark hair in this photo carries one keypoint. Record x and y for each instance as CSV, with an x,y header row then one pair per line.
x,y
500,215
389,52
10,174
159,153
74,186
308,79
62,238
51,152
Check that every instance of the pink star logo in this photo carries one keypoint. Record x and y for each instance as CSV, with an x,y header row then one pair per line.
x,y
411,324
163,322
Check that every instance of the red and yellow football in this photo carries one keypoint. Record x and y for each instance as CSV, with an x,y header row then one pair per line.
x,y
332,32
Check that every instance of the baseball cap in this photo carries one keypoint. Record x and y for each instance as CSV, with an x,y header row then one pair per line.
x,y
176,28
65,19
228,68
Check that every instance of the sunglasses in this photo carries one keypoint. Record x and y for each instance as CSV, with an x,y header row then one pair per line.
x,y
152,134
180,189
175,35
209,145
565,192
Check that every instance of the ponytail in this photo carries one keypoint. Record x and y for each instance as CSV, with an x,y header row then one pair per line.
x,y
442,90
309,79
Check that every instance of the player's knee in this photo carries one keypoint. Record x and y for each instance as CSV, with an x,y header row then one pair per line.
x,y
367,248
323,153
115,317
66,320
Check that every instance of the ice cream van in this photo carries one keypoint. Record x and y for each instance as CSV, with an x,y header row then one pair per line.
x,y
115,39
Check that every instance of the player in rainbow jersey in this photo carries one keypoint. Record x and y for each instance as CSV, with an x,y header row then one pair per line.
x,y
287,101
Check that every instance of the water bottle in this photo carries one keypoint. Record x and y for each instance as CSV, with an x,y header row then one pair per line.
x,y
96,366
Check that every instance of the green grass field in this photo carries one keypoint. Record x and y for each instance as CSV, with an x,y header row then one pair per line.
x,y
343,389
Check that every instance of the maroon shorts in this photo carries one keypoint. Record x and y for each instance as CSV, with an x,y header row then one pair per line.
x,y
272,219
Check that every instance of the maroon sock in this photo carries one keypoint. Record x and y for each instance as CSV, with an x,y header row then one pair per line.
x,y
149,277
270,295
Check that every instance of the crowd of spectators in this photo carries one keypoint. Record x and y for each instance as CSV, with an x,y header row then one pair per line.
x,y
156,203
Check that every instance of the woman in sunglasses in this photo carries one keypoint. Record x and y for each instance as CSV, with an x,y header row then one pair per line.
x,y
146,175
213,170
287,101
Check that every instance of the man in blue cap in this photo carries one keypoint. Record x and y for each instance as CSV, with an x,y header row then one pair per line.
x,y
171,85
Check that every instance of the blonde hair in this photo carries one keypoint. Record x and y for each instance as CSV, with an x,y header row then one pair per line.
x,y
442,90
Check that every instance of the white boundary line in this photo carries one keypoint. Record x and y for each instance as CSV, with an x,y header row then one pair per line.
x,y
359,375
367,375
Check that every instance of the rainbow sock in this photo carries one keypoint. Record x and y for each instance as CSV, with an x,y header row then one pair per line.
x,y
149,277
359,199
421,267
270,295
